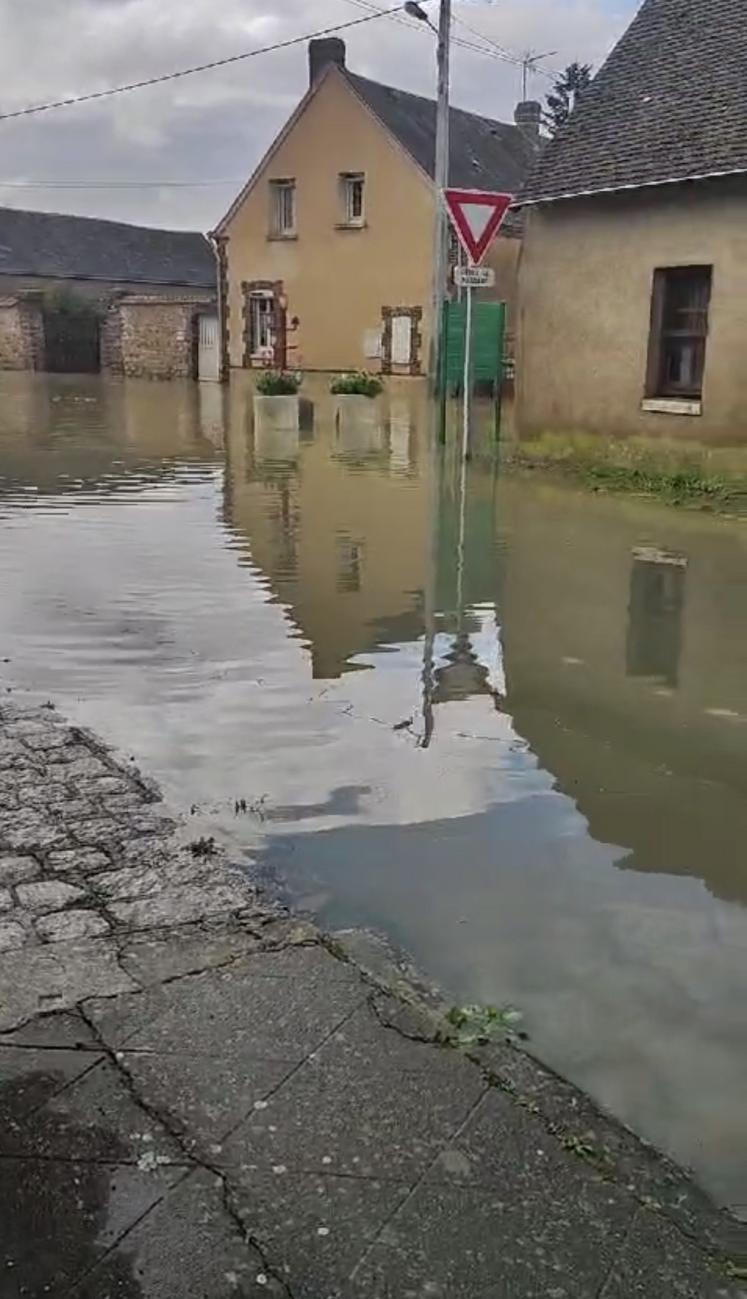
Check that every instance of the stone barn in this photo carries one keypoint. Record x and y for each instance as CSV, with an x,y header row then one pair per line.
x,y
78,294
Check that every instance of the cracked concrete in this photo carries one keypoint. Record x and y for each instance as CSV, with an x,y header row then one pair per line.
x,y
202,1096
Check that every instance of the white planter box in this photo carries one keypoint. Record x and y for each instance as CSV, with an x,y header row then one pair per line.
x,y
276,427
277,412
359,424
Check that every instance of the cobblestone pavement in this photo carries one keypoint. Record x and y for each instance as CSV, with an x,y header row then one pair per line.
x,y
203,1098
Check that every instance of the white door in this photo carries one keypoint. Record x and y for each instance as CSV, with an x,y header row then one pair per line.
x,y
208,363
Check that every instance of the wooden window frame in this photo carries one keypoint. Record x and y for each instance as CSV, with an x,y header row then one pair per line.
x,y
660,333
348,182
275,290
279,188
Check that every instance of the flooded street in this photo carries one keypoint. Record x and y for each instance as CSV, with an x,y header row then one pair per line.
x,y
506,729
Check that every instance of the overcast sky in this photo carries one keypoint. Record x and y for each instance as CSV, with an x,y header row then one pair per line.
x,y
215,126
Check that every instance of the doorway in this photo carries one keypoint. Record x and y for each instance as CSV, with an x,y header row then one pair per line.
x,y
72,329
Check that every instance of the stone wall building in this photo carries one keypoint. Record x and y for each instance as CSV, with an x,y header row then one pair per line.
x,y
152,336
21,334
76,292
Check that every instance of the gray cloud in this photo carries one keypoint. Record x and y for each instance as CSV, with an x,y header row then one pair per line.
x,y
216,125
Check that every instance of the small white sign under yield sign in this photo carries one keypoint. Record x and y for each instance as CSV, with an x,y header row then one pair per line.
x,y
474,277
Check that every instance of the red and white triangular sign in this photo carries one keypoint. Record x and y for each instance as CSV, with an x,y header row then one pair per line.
x,y
476,216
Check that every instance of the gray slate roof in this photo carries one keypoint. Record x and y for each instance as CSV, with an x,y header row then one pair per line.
x,y
73,247
669,104
483,154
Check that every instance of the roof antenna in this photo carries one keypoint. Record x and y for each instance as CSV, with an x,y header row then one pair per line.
x,y
529,64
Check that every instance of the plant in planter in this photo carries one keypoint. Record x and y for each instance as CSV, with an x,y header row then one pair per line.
x,y
278,383
357,384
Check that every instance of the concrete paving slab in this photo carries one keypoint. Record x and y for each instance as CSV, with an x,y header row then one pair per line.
x,y
201,1102
319,1225
34,980
187,1248
168,955
469,1243
65,1029
658,1262
76,1123
503,1146
388,1121
239,1004
30,1076
59,1218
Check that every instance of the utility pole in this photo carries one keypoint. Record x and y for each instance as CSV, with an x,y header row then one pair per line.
x,y
440,175
441,179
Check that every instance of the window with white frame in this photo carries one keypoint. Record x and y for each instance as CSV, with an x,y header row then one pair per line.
x,y
283,207
261,324
352,190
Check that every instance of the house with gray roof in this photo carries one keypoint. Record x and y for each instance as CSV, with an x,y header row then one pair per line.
x,y
325,255
65,282
633,279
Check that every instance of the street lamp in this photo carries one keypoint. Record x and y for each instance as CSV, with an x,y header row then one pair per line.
x,y
414,10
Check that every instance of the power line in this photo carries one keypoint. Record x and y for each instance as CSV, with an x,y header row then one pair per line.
x,y
201,67
494,51
115,184
550,73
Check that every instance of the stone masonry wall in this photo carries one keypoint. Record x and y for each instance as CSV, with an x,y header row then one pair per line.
x,y
158,336
110,341
21,335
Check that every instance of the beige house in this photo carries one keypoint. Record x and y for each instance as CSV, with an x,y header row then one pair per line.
x,y
633,278
325,256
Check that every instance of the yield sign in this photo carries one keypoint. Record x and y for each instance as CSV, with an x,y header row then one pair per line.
x,y
476,216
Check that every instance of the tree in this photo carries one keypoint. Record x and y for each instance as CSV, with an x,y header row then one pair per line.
x,y
562,98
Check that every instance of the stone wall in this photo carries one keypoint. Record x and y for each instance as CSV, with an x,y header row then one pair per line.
x,y
110,341
21,335
153,337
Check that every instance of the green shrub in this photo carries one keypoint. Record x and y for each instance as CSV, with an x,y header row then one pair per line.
x,y
278,383
357,384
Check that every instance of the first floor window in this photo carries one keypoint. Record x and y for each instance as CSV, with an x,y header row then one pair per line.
x,y
282,207
401,340
679,328
261,323
352,188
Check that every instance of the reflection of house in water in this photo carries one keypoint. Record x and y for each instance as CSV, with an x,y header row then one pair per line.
x,y
344,539
661,772
657,598
341,538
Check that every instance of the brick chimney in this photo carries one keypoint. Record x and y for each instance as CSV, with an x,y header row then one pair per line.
x,y
527,116
322,52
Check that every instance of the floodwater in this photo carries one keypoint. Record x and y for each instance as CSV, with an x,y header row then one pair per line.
x,y
506,727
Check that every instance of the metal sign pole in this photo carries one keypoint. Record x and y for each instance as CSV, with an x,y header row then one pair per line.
x,y
467,390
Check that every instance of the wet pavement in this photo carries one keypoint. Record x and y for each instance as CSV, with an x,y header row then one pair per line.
x,y
520,755
204,1096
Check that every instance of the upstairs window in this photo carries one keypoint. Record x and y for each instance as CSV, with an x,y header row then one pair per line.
x,y
352,192
679,328
282,208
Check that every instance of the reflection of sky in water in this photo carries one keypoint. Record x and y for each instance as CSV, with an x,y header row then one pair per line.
x,y
583,721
